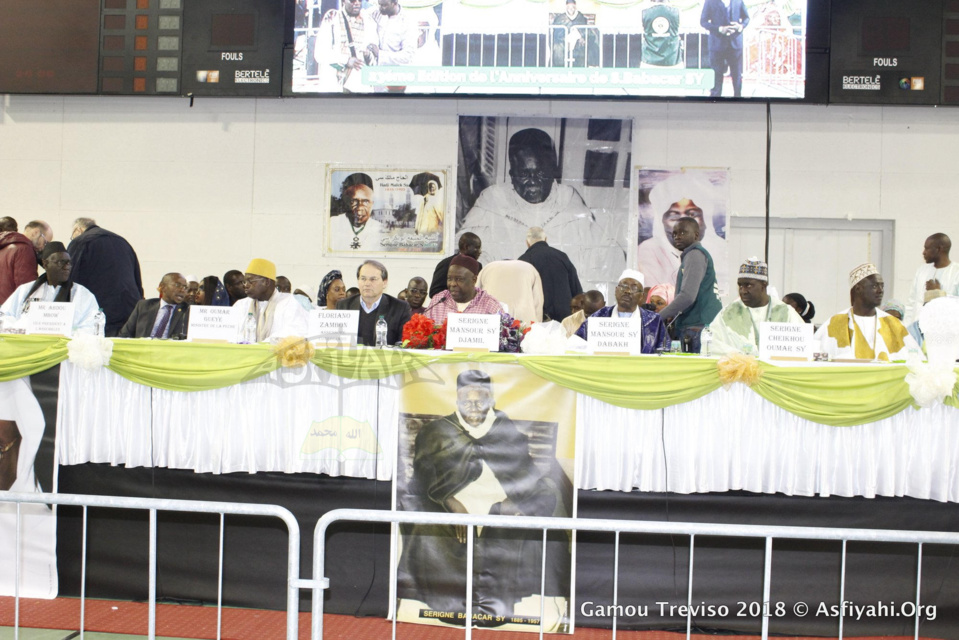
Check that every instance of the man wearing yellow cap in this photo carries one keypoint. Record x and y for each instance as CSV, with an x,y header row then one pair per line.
x,y
864,332
277,314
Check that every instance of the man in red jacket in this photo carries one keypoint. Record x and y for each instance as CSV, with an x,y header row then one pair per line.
x,y
18,255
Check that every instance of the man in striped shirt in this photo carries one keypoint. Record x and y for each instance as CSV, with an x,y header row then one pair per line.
x,y
461,295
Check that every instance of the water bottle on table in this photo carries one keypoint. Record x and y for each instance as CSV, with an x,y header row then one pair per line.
x,y
381,331
249,329
99,322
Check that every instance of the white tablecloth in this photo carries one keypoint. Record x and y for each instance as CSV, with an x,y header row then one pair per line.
x,y
727,440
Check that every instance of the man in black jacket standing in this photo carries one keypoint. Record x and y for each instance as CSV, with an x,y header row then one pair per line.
x,y
469,245
373,303
163,317
560,282
107,265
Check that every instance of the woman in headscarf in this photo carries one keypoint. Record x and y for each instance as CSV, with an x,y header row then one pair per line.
x,y
332,290
660,296
212,293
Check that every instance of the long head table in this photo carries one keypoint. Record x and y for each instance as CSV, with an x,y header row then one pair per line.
x,y
649,423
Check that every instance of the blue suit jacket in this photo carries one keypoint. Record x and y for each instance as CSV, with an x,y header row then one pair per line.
x,y
714,16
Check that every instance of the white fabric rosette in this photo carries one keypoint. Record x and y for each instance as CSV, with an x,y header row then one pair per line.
x,y
89,352
930,382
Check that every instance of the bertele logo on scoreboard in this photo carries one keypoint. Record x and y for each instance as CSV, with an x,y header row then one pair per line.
x,y
861,83
252,76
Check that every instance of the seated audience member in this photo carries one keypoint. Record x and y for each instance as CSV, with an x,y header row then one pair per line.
x,y
55,286
193,285
352,291
277,314
163,317
895,308
461,294
696,302
590,302
469,245
212,293
331,290
517,286
283,284
805,308
416,291
373,303
235,285
8,224
736,328
576,303
629,296
864,331
660,296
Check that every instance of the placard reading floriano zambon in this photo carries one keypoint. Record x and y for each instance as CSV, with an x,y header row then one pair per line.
x,y
739,48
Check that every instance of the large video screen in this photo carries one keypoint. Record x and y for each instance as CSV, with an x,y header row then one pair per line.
x,y
667,48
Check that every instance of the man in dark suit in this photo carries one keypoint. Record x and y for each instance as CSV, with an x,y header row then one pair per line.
x,y
725,21
560,282
163,317
107,265
470,245
373,303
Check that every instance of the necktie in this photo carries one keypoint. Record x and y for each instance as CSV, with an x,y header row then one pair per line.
x,y
164,321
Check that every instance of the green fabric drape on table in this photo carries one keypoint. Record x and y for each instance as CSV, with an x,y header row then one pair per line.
x,y
837,396
22,356
190,366
830,394
633,383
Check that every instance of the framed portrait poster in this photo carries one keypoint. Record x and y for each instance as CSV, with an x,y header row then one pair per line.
x,y
380,211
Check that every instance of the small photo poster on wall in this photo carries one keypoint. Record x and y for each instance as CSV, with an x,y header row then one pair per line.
x,y
378,211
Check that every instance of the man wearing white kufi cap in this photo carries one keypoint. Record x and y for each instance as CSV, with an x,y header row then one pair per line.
x,y
736,328
865,332
629,299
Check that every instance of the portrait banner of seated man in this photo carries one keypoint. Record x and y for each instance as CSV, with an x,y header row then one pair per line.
x,y
374,212
565,176
495,441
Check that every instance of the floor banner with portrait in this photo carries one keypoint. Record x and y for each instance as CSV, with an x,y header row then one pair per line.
x,y
485,439
24,442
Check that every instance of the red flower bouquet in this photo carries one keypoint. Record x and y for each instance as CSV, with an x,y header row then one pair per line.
x,y
421,333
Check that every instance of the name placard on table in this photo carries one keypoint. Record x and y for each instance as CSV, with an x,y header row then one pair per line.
x,y
334,327
473,331
614,335
213,324
785,341
50,318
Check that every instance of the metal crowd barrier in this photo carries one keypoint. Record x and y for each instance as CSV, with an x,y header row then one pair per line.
x,y
320,583
768,533
153,506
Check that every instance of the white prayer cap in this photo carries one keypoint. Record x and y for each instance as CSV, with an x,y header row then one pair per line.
x,y
862,272
635,275
191,279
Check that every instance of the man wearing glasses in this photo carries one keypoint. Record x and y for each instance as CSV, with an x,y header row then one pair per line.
x,y
163,317
356,230
277,315
629,300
